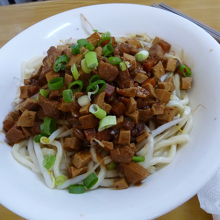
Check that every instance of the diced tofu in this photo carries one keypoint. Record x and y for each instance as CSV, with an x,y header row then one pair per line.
x,y
124,137
81,159
169,86
68,79
84,110
140,77
186,83
163,95
158,108
88,121
145,114
51,75
171,64
108,146
71,144
132,106
90,133
158,70
127,92
120,184
168,115
134,116
122,154
73,172
134,173
142,137
27,119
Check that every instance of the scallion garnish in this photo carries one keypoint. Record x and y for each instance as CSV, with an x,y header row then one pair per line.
x,y
123,66
37,138
94,78
76,86
111,166
89,46
107,122
114,60
67,95
107,50
91,60
75,49
60,63
44,140
185,70
77,189
44,92
48,126
105,37
49,161
138,158
141,55
82,42
84,66
90,180
97,111
60,180
56,83
93,86
75,71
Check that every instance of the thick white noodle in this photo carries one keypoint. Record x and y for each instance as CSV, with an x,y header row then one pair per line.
x,y
178,139
32,154
20,158
59,155
93,154
101,177
77,179
107,183
166,126
65,133
111,173
167,159
55,134
47,177
176,81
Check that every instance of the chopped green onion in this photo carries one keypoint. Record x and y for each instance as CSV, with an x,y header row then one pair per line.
x,y
93,93
56,83
44,140
185,70
142,55
76,86
37,138
92,87
138,158
114,60
123,66
67,95
77,189
107,122
90,180
48,126
75,49
91,60
97,111
84,66
44,92
60,63
94,78
89,46
49,161
60,180
104,37
82,42
75,71
107,50
95,30
111,166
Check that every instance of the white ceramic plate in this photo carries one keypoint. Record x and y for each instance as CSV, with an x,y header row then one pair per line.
x,y
22,191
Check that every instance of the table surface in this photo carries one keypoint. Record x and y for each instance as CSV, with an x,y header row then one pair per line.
x,y
15,18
